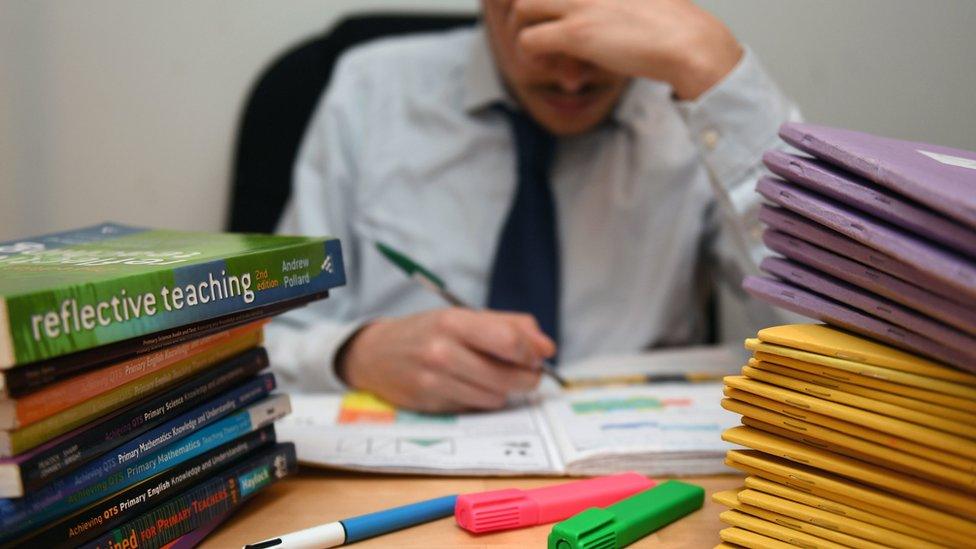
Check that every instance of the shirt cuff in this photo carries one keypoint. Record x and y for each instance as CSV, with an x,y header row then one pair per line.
x,y
304,357
737,119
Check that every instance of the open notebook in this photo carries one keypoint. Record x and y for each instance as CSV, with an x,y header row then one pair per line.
x,y
667,429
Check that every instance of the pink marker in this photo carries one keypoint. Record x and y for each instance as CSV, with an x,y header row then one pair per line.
x,y
513,508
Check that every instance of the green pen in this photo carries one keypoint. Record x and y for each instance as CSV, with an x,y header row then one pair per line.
x,y
628,520
436,284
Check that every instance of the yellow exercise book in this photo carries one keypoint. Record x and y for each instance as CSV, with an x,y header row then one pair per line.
x,y
776,353
934,406
730,499
776,531
838,489
839,509
932,532
829,523
752,540
967,430
884,438
933,494
831,342
840,441
957,402
904,429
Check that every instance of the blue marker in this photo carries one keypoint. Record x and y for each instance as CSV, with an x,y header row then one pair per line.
x,y
362,527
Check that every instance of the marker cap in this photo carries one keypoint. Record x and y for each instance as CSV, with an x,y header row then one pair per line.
x,y
629,520
512,508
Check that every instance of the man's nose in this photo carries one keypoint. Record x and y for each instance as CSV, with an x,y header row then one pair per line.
x,y
571,73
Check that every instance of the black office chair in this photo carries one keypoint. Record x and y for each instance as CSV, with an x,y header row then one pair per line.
x,y
281,103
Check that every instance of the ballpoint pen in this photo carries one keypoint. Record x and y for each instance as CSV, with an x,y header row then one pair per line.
x,y
437,285
351,530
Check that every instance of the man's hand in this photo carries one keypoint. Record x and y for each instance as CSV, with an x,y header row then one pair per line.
x,y
447,360
672,41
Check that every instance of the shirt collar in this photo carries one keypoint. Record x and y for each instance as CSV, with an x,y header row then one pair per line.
x,y
483,86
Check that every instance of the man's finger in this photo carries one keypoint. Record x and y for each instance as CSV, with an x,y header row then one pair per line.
x,y
542,344
491,333
551,37
466,396
491,374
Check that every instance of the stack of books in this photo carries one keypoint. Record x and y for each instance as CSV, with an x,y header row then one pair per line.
x,y
861,432
133,407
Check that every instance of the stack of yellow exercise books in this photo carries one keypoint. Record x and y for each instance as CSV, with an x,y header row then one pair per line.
x,y
849,443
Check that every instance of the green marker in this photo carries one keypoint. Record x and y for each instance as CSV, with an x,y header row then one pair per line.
x,y
628,520
436,284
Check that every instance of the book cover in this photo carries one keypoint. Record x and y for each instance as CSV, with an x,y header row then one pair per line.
x,y
109,512
20,411
81,289
24,514
942,178
934,260
28,378
71,450
41,431
863,195
164,435
203,504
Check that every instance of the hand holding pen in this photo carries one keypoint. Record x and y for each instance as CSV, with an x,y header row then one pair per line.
x,y
447,360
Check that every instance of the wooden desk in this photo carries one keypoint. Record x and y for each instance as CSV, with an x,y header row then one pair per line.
x,y
314,497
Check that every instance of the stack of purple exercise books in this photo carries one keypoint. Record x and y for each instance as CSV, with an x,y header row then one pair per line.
x,y
876,236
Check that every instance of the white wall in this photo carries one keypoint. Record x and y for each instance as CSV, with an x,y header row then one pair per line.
x,y
125,109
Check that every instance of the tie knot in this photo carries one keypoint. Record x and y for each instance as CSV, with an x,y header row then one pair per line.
x,y
534,145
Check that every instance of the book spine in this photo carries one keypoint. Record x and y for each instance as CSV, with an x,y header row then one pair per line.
x,y
63,395
194,538
28,378
37,433
196,507
17,515
46,324
127,505
165,435
74,449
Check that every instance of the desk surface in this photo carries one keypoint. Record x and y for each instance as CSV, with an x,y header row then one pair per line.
x,y
314,497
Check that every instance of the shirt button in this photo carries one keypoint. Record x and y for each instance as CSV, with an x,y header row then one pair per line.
x,y
710,138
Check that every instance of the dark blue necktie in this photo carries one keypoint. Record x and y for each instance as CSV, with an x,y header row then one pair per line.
x,y
525,273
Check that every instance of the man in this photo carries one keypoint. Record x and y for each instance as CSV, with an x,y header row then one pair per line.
x,y
572,160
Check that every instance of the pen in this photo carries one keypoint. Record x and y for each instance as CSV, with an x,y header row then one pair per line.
x,y
355,529
495,510
437,285
637,379
628,520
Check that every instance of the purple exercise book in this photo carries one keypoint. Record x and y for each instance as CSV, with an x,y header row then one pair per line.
x,y
785,295
866,196
910,295
795,225
942,178
864,300
940,264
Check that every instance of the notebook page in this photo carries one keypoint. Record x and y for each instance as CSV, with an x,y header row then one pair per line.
x,y
655,429
357,431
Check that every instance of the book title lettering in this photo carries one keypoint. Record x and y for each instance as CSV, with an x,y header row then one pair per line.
x,y
122,307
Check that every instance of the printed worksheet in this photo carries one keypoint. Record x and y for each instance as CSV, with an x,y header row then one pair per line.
x,y
664,429
359,431
658,429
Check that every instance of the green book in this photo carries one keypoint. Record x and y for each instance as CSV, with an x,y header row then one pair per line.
x,y
67,292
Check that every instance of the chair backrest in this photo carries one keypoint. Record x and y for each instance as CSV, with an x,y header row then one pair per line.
x,y
281,103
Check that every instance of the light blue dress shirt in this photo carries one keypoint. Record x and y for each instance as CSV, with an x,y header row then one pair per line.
x,y
404,148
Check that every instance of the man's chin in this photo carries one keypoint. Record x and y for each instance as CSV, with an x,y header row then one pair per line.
x,y
568,118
